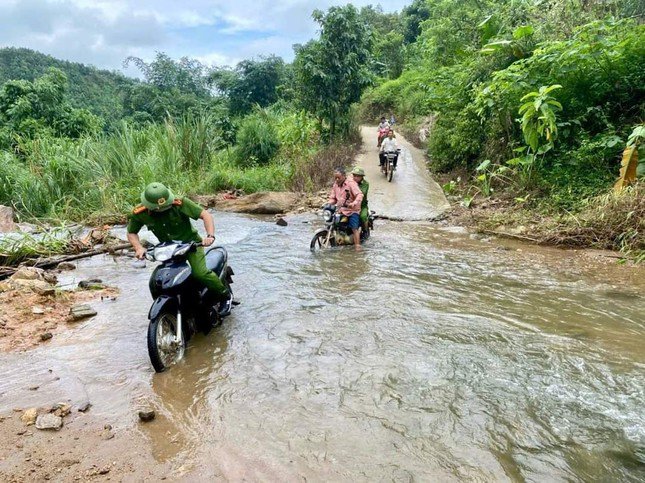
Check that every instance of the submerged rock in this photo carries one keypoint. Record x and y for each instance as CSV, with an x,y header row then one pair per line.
x,y
66,266
146,415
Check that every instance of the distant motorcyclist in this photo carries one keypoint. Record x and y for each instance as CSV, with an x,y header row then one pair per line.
x,y
383,128
389,144
169,219
347,196
359,176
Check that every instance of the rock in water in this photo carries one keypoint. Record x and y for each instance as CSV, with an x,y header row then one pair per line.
x,y
66,266
46,336
91,284
6,220
281,222
146,415
81,311
49,421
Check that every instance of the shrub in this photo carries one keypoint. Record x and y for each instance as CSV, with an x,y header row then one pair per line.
x,y
257,140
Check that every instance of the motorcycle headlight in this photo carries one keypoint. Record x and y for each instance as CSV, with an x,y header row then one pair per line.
x,y
181,251
327,215
162,254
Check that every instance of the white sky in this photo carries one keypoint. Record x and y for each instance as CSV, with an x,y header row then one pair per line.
x,y
217,32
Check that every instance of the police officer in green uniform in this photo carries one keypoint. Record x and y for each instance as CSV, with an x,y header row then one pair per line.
x,y
169,219
359,176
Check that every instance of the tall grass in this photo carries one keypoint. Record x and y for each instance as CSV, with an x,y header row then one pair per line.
x,y
99,179
103,177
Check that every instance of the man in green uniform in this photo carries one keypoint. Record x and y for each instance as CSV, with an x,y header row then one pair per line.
x,y
359,176
169,219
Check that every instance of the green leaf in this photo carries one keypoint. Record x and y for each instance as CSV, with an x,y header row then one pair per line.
x,y
523,31
484,164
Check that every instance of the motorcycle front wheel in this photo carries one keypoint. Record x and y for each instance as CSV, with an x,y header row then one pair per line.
x,y
319,239
163,349
390,173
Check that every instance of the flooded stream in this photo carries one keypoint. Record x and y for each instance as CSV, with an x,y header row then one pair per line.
x,y
427,356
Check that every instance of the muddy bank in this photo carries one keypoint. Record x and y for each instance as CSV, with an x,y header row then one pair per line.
x,y
35,309
85,448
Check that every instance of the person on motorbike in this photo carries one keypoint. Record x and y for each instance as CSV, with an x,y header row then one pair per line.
x,y
359,176
389,144
382,130
169,218
347,196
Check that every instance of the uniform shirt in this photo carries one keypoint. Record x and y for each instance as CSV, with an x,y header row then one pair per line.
x,y
169,225
389,145
347,197
364,186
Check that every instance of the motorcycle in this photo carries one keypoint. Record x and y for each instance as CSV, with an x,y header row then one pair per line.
x,y
182,306
388,165
337,231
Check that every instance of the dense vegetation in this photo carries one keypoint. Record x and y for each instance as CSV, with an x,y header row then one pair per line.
x,y
99,91
530,100
533,100
251,127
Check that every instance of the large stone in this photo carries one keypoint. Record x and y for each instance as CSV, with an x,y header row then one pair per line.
x,y
6,220
81,311
28,273
49,421
39,286
263,203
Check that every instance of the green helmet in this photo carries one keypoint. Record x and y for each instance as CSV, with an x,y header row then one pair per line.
x,y
358,171
157,197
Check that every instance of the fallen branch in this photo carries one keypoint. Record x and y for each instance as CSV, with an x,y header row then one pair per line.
x,y
6,272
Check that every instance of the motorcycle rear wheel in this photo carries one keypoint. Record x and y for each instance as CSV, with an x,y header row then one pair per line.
x,y
318,241
162,348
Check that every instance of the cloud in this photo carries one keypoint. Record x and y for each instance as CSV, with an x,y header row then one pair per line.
x,y
104,32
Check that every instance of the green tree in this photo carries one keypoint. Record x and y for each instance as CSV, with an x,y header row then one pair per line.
x,y
332,72
31,108
412,17
252,82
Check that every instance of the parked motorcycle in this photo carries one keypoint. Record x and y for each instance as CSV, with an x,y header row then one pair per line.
x,y
388,167
337,231
182,306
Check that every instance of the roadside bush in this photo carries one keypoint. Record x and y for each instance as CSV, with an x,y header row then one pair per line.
x,y
257,140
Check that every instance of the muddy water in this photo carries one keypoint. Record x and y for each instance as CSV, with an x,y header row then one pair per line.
x,y
427,356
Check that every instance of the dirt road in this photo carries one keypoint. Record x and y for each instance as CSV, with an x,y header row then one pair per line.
x,y
412,194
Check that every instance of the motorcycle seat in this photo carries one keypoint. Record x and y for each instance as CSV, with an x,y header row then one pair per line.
x,y
215,260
